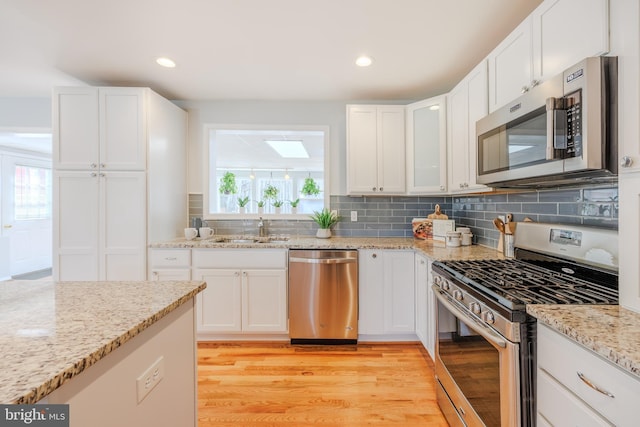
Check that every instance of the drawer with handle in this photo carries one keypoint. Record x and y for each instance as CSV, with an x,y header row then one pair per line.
x,y
159,258
612,392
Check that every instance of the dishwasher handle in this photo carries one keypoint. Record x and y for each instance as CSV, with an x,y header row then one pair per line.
x,y
323,260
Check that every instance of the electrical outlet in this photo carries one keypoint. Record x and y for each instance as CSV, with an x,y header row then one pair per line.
x,y
354,216
334,212
150,378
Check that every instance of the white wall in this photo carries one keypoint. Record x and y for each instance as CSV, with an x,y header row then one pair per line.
x,y
325,113
21,113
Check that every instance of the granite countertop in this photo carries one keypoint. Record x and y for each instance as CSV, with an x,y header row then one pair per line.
x,y
611,331
51,332
433,249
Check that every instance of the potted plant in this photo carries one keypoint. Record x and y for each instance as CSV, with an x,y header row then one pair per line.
x,y
294,205
325,219
270,192
310,187
278,205
261,206
242,203
228,184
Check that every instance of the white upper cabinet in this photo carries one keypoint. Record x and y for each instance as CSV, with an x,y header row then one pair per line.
x,y
467,104
427,146
511,66
102,128
567,31
375,149
555,36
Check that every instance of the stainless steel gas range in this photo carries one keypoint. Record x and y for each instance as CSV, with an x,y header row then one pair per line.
x,y
485,351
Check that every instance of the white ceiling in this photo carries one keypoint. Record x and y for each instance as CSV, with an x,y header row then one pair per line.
x,y
251,49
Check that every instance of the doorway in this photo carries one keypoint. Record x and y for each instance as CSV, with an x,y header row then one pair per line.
x,y
25,204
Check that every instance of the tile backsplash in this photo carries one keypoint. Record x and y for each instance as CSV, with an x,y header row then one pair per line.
x,y
390,216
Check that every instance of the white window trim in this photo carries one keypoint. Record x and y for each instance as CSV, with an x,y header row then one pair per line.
x,y
207,128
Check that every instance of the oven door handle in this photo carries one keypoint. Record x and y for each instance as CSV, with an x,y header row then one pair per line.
x,y
482,330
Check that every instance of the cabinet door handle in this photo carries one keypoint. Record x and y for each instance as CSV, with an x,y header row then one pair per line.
x,y
524,89
93,165
374,188
102,165
626,161
374,255
588,382
381,188
93,174
236,273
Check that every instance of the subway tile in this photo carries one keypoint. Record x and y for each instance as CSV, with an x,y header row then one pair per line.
x,y
523,197
571,195
504,208
540,208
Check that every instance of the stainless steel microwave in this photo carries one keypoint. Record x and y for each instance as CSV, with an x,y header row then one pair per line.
x,y
563,131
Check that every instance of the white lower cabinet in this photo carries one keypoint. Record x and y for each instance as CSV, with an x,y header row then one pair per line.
x,y
386,294
246,291
169,264
425,305
575,386
99,225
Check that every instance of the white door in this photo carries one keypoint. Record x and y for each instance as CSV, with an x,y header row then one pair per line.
x,y
76,202
26,213
123,234
264,301
220,304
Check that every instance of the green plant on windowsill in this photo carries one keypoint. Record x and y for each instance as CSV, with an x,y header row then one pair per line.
x,y
228,184
261,203
325,218
243,201
310,187
277,203
294,203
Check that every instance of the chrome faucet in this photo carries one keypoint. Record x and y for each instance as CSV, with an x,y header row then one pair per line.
x,y
262,229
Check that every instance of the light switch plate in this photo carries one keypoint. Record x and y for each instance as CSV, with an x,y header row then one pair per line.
x,y
354,216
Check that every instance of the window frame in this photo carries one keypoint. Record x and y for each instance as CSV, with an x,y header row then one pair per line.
x,y
207,159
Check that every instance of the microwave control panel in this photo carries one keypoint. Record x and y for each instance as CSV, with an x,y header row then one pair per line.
x,y
573,104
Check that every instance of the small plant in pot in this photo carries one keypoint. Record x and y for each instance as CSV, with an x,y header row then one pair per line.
x,y
310,187
270,192
228,184
325,220
278,205
294,205
242,203
261,206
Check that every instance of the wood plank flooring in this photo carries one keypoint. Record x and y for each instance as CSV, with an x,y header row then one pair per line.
x,y
277,384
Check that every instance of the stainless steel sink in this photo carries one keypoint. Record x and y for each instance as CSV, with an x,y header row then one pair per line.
x,y
241,240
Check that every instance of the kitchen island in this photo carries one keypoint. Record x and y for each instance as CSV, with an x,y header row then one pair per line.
x,y
59,340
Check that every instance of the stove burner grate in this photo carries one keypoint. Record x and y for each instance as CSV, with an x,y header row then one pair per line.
x,y
519,282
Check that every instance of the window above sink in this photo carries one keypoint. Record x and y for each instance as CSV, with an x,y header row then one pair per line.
x,y
255,163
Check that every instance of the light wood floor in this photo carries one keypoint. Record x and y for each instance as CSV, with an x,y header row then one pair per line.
x,y
276,384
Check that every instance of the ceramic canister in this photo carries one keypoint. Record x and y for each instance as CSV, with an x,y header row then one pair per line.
x,y
453,238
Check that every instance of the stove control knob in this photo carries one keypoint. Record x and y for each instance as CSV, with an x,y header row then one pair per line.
x,y
445,285
457,294
437,280
488,317
475,308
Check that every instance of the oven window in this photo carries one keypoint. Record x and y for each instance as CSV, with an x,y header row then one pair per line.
x,y
520,143
474,365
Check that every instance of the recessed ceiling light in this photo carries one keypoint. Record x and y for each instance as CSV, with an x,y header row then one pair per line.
x,y
289,149
434,107
166,62
364,61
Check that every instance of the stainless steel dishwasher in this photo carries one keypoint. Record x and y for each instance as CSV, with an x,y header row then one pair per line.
x,y
323,296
